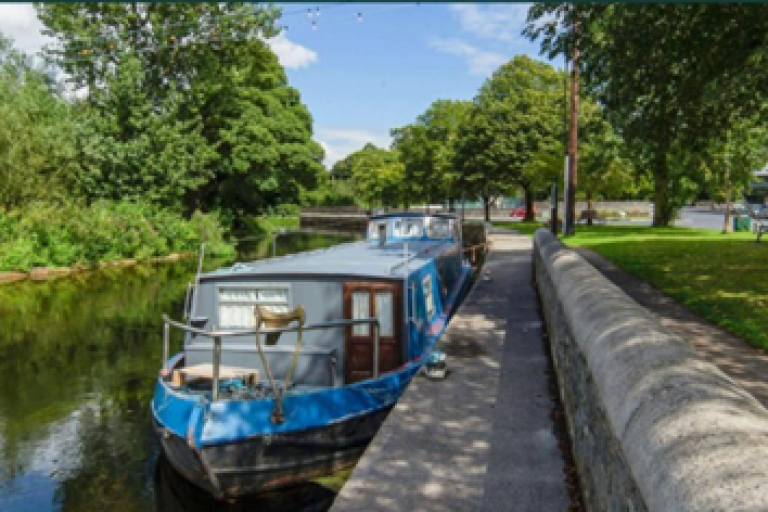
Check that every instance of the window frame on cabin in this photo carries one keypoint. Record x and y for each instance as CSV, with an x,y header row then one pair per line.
x,y
428,289
439,221
277,306
417,222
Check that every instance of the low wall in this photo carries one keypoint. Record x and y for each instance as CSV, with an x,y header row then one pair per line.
x,y
653,425
631,208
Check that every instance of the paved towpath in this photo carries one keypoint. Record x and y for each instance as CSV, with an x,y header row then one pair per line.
x,y
481,440
743,363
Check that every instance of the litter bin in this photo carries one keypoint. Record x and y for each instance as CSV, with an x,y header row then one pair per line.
x,y
741,223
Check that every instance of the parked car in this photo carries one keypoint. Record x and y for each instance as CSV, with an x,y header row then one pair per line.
x,y
520,212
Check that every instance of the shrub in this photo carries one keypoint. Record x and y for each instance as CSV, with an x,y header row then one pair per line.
x,y
64,235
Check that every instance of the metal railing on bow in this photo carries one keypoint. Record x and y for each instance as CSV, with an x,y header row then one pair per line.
x,y
217,335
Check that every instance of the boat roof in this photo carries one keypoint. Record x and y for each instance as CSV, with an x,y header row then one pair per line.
x,y
390,215
358,259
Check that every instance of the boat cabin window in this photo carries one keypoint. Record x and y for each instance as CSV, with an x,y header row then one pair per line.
x,y
373,229
429,297
438,228
361,309
383,304
409,228
384,313
237,303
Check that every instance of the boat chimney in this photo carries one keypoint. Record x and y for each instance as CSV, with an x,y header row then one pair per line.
x,y
382,233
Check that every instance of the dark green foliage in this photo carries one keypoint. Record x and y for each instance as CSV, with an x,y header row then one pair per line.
x,y
426,149
36,131
671,77
516,120
377,176
185,105
44,234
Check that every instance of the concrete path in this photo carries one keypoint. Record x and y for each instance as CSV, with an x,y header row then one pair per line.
x,y
483,438
743,363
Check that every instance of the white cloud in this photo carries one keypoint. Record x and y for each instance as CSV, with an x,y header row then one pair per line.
x,y
291,55
497,22
479,62
338,143
20,23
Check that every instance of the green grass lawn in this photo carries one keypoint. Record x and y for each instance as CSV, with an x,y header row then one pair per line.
x,y
722,277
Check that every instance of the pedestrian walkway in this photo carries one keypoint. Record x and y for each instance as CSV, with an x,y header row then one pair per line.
x,y
745,364
482,439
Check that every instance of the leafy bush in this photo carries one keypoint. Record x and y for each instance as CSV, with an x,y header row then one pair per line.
x,y
45,234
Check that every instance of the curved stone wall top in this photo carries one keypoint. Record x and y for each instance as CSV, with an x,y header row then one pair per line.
x,y
693,439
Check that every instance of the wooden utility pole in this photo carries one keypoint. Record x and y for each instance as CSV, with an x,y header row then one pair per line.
x,y
570,200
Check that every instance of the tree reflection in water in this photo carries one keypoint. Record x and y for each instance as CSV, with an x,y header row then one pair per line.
x,y
78,359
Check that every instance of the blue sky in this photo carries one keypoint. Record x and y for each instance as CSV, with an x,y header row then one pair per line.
x,y
360,79
366,78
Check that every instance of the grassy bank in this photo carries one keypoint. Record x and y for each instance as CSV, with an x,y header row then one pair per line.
x,y
268,224
46,235
721,277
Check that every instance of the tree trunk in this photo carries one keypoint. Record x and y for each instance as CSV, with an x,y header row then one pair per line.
x,y
727,217
529,215
662,211
589,208
487,207
573,151
451,205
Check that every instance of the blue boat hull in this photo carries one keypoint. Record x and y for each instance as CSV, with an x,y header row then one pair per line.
x,y
263,463
231,448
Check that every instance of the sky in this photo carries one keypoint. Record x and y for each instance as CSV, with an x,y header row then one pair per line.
x,y
363,69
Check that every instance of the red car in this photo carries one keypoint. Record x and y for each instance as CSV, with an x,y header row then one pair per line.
x,y
520,212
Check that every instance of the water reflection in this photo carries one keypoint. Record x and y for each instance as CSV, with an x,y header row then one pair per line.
x,y
78,358
174,494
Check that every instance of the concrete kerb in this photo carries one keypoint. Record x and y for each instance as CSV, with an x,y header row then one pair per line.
x,y
692,438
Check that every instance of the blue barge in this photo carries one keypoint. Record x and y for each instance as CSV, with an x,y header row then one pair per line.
x,y
290,365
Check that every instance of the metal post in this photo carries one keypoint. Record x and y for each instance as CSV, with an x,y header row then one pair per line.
x,y
185,316
166,336
274,245
195,299
216,364
376,341
570,199
553,208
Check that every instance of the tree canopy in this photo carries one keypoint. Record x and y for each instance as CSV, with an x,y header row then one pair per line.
x,y
184,104
427,148
667,89
516,119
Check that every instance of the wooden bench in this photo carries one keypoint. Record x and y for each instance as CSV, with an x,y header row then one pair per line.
x,y
250,376
593,215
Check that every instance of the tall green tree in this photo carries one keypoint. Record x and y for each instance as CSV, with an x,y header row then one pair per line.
x,y
426,149
669,87
235,134
605,165
377,176
729,161
516,118
37,136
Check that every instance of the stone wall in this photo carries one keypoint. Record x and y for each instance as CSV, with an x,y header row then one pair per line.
x,y
653,425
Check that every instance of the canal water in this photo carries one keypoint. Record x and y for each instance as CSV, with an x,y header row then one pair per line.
x,y
78,360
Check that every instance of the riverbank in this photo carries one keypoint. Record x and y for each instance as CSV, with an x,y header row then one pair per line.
x,y
45,240
46,273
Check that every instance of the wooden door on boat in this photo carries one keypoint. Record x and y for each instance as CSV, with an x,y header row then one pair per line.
x,y
365,300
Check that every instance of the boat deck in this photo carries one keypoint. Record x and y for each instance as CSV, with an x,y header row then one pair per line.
x,y
483,438
358,258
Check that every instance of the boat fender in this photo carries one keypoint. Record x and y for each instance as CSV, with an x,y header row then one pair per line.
x,y
435,366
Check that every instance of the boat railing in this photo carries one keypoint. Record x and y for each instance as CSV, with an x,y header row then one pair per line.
x,y
217,335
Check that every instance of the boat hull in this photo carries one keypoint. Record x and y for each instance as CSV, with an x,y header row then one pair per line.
x,y
262,463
